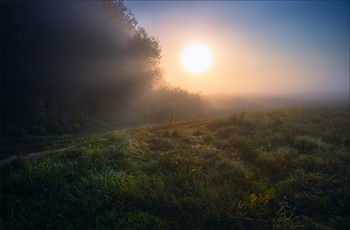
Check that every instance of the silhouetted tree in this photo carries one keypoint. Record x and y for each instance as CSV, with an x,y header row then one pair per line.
x,y
65,59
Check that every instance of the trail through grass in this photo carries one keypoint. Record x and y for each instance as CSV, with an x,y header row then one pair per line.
x,y
273,169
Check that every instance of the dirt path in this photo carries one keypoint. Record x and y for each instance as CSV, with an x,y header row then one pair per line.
x,y
35,155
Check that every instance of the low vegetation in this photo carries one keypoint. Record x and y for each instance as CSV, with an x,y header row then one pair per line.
x,y
284,169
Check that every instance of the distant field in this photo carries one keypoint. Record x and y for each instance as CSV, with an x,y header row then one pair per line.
x,y
281,169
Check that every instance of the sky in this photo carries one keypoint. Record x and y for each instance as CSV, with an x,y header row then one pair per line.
x,y
258,47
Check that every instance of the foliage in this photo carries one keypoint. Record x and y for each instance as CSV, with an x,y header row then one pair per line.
x,y
71,62
243,172
70,67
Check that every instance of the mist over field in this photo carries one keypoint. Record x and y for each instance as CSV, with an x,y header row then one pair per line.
x,y
174,115
263,49
72,66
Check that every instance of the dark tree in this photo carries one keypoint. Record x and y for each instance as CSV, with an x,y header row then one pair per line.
x,y
63,60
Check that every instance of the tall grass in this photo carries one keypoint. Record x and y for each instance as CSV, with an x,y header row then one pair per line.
x,y
274,169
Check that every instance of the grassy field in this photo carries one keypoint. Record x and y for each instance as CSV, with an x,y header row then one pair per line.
x,y
282,169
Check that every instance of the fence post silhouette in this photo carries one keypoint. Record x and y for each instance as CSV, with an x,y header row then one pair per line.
x,y
171,119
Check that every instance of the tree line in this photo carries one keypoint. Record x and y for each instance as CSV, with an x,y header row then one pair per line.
x,y
68,65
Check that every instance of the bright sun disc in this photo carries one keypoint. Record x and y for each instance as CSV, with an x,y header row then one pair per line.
x,y
196,59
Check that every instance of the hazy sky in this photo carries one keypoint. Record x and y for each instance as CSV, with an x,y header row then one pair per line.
x,y
258,47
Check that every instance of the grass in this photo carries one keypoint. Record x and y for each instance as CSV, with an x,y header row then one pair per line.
x,y
283,169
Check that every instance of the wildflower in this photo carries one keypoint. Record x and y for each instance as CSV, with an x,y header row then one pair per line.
x,y
281,202
285,197
297,194
239,204
253,200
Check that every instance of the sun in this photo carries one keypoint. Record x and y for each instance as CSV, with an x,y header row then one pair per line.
x,y
196,58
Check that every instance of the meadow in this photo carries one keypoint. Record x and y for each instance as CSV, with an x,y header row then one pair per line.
x,y
273,169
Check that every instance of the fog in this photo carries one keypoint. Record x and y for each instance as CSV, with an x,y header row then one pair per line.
x,y
222,104
280,49
72,66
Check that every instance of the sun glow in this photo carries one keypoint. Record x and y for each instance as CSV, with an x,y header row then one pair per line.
x,y
196,58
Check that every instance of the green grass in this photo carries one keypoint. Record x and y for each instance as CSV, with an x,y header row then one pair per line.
x,y
283,169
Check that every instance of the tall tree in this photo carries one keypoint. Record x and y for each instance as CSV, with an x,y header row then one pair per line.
x,y
72,57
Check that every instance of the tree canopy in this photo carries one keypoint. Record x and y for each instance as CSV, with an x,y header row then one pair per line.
x,y
68,59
